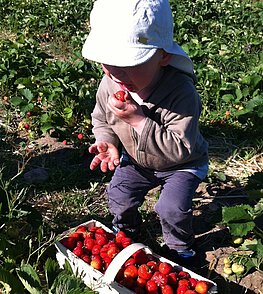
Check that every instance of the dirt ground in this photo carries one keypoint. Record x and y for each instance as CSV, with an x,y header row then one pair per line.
x,y
212,240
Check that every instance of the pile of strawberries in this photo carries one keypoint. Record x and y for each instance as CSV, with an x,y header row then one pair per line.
x,y
142,273
95,245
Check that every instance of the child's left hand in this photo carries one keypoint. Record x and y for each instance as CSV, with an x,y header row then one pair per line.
x,y
128,111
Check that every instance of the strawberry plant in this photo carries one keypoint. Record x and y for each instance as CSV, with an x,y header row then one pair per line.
x,y
241,221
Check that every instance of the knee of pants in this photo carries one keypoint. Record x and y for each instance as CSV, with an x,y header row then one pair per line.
x,y
120,201
172,213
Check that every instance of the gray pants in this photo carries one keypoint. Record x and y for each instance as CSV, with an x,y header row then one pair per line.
x,y
126,193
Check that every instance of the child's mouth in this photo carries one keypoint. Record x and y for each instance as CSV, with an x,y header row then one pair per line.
x,y
126,87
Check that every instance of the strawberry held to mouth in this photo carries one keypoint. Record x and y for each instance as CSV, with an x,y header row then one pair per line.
x,y
120,95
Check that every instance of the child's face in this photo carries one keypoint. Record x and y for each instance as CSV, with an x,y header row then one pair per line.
x,y
139,78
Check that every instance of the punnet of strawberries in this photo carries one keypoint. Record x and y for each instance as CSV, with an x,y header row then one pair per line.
x,y
141,273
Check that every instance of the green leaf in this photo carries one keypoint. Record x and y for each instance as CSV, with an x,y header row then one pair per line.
x,y
45,127
255,79
51,269
221,176
241,229
29,277
260,249
44,118
258,208
249,245
27,94
239,94
26,107
228,98
66,283
17,101
68,112
236,213
9,279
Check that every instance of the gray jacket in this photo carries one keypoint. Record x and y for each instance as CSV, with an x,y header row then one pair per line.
x,y
171,138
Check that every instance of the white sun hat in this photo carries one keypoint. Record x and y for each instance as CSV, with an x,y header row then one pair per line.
x,y
128,33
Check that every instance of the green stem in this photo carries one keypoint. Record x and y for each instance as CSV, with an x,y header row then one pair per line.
x,y
258,232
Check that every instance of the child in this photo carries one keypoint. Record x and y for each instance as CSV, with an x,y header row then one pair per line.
x,y
151,139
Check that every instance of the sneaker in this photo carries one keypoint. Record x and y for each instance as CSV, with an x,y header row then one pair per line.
x,y
187,253
132,233
181,255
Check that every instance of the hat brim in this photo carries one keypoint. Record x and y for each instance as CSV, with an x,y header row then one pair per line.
x,y
115,54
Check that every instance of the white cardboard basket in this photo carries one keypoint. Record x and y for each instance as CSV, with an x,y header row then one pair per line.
x,y
104,283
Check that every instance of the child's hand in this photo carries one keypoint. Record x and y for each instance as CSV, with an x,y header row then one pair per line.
x,y
125,108
107,156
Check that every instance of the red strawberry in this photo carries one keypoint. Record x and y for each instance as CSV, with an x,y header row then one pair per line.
x,y
141,282
159,278
120,95
193,282
81,229
183,275
184,282
151,287
89,243
113,251
78,251
76,235
92,229
189,292
26,126
126,242
96,262
119,236
201,287
140,257
131,271
165,268
153,265
96,249
129,261
80,136
106,261
181,290
101,239
167,289
172,278
86,258
69,242
104,252
145,272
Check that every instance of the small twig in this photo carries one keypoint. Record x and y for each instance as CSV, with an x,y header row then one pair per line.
x,y
211,197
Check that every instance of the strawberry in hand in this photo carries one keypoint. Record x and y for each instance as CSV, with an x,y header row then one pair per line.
x,y
120,95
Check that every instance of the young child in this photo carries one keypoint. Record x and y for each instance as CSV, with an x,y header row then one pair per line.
x,y
152,138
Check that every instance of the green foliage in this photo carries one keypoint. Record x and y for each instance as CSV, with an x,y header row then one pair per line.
x,y
38,16
241,221
57,94
23,243
224,39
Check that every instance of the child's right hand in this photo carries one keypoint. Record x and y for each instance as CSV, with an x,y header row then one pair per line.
x,y
107,156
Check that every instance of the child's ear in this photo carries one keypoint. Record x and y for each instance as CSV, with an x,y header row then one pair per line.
x,y
166,57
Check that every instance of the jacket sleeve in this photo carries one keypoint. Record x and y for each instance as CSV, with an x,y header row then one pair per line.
x,y
101,129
